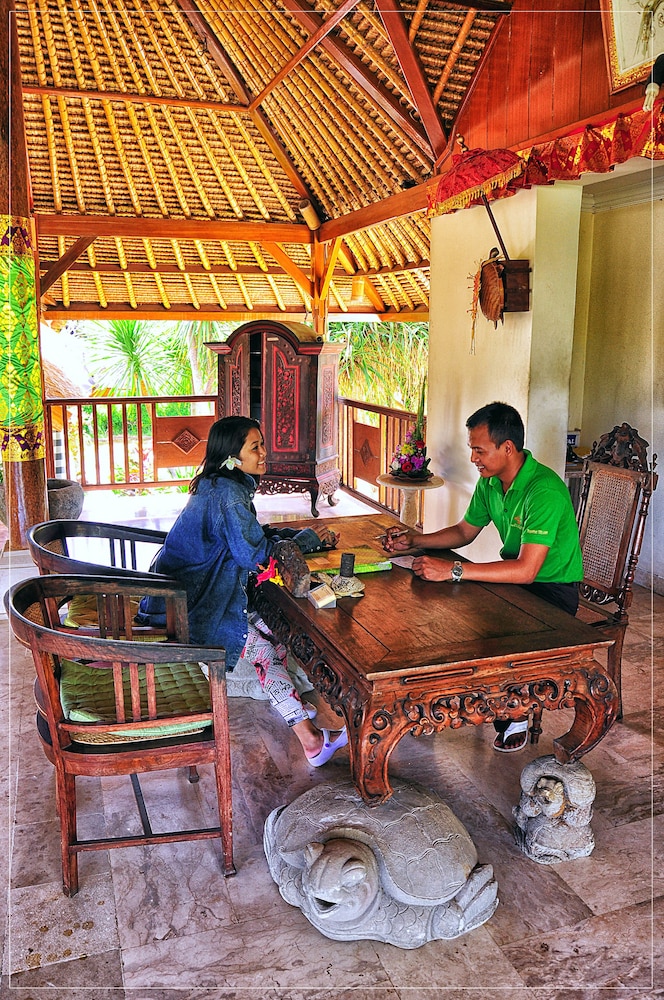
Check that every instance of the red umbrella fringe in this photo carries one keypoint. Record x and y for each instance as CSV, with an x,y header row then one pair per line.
x,y
598,148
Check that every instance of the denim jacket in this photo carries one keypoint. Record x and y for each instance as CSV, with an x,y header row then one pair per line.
x,y
214,545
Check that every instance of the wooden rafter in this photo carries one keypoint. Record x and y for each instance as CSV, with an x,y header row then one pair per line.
x,y
171,229
411,68
289,266
454,54
360,74
132,98
395,207
220,57
311,43
58,268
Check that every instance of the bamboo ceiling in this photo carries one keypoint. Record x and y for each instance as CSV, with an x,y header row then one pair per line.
x,y
172,144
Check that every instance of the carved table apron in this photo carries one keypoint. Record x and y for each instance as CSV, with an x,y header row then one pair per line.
x,y
417,657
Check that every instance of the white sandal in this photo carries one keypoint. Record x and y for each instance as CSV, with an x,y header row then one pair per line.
x,y
520,729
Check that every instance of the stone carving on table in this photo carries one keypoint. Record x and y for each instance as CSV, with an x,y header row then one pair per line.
x,y
554,811
405,873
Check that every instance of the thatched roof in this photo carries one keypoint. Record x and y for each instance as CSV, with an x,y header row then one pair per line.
x,y
184,137
172,145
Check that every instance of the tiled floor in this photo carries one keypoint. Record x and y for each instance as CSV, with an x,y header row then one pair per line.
x,y
162,923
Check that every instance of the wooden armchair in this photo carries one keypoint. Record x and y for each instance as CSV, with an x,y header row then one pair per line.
x,y
92,547
117,705
618,482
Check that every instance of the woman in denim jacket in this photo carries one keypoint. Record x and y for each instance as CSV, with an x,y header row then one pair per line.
x,y
214,545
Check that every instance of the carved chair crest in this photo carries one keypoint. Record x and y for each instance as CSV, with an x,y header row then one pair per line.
x,y
623,448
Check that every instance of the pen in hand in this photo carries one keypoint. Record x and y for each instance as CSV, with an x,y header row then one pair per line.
x,y
397,534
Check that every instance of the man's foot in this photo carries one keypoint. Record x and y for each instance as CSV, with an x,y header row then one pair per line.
x,y
329,747
513,739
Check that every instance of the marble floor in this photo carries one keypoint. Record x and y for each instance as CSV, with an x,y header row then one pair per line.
x,y
162,923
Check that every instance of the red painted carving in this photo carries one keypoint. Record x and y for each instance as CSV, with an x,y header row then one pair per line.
x,y
285,435
327,406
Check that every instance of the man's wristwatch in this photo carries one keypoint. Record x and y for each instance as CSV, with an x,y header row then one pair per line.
x,y
457,572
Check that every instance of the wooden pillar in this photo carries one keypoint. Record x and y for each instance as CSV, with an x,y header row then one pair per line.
x,y
21,406
320,297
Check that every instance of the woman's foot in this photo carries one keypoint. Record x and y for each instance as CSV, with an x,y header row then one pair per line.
x,y
513,739
332,741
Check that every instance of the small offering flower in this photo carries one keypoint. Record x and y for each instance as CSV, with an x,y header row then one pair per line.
x,y
410,458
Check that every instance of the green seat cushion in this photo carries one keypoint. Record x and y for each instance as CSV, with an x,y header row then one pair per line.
x,y
82,613
87,695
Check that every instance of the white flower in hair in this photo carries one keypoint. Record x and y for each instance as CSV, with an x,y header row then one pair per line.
x,y
230,463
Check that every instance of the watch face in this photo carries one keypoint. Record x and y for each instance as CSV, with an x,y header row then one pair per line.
x,y
457,572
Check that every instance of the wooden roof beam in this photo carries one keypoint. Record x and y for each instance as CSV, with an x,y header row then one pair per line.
x,y
220,57
117,96
360,74
290,267
58,268
311,43
179,311
395,25
395,207
139,227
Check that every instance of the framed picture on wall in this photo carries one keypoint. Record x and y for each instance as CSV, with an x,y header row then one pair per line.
x,y
633,37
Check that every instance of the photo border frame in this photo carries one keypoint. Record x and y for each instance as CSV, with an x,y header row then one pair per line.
x,y
621,74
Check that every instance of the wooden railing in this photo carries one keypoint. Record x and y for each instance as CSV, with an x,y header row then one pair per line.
x,y
126,442
368,438
129,443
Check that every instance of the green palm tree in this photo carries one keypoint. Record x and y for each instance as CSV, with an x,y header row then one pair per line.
x,y
130,357
383,363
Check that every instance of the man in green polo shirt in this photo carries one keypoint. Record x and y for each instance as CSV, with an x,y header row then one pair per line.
x,y
532,510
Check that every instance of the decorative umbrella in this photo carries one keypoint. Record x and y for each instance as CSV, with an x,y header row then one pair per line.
x,y
480,175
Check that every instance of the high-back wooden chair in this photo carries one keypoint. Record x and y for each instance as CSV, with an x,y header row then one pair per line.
x,y
116,705
92,547
618,483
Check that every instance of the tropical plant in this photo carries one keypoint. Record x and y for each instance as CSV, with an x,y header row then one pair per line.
x,y
383,363
129,357
143,358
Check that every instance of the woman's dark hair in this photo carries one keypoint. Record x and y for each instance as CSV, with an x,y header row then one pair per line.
x,y
226,437
502,422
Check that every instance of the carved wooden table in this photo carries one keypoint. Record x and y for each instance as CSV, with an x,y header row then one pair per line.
x,y
417,657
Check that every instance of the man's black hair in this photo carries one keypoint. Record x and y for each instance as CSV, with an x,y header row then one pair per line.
x,y
502,421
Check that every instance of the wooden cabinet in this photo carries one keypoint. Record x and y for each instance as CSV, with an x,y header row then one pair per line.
x,y
285,377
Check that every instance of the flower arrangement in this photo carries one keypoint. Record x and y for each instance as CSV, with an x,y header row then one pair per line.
x,y
410,459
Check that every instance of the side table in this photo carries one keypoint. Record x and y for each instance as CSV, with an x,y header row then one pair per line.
x,y
409,490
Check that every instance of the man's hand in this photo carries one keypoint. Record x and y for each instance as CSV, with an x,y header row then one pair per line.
x,y
432,568
398,539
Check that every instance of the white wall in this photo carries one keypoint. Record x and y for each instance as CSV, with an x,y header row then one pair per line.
x,y
621,252
525,361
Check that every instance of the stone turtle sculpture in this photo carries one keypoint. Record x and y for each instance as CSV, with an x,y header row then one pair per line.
x,y
405,872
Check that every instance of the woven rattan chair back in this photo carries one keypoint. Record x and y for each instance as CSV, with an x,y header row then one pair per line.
x,y
117,706
618,482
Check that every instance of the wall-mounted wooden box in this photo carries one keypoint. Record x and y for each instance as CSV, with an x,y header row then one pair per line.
x,y
516,279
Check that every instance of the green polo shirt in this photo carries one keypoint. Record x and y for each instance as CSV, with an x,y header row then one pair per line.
x,y
536,509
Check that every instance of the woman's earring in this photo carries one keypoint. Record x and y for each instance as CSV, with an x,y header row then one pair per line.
x,y
230,463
